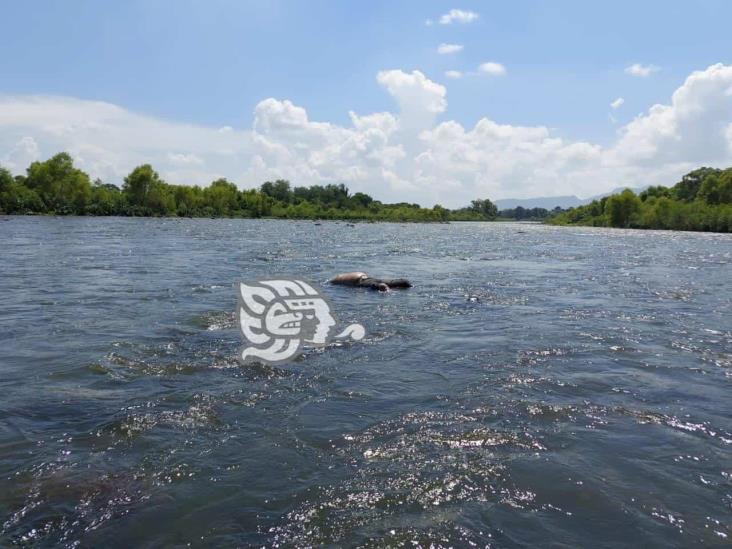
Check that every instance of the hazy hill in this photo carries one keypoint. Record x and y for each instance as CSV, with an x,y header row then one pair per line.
x,y
551,202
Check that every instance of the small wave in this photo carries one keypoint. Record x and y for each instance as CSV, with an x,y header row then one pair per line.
x,y
201,415
703,428
421,460
216,320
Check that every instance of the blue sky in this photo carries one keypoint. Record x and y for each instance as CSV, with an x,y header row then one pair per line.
x,y
209,64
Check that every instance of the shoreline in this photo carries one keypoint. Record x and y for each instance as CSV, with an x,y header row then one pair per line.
x,y
362,220
366,221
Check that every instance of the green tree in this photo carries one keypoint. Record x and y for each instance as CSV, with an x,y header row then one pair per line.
x,y
147,193
361,200
189,200
279,190
439,213
222,196
15,197
690,184
63,188
485,208
657,192
6,180
717,188
106,199
621,208
7,191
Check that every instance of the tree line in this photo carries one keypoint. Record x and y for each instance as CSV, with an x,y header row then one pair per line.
x,y
519,213
55,186
701,201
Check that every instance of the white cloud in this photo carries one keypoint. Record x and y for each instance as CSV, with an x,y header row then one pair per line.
x,y
453,74
636,69
492,68
414,91
458,16
443,49
21,154
617,103
109,141
402,155
691,129
183,159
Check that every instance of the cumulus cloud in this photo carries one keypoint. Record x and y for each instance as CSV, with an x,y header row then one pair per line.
x,y
453,74
21,154
492,68
617,103
692,128
414,92
636,69
444,49
457,16
109,141
405,155
183,159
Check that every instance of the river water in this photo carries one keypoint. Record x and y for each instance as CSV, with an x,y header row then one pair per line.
x,y
538,386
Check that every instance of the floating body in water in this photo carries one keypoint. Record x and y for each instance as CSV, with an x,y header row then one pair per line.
x,y
360,279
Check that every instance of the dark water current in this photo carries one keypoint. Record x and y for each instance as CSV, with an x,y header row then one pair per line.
x,y
538,386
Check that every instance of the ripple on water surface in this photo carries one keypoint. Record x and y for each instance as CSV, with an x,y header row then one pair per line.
x,y
537,385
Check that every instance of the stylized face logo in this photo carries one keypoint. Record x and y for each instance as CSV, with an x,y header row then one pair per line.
x,y
278,316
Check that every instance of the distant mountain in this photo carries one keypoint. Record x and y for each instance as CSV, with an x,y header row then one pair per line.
x,y
548,202
551,202
616,190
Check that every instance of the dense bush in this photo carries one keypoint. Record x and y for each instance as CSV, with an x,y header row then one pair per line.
x,y
520,213
701,201
55,186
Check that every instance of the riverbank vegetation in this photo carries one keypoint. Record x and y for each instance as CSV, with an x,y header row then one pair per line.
x,y
519,213
701,201
57,187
